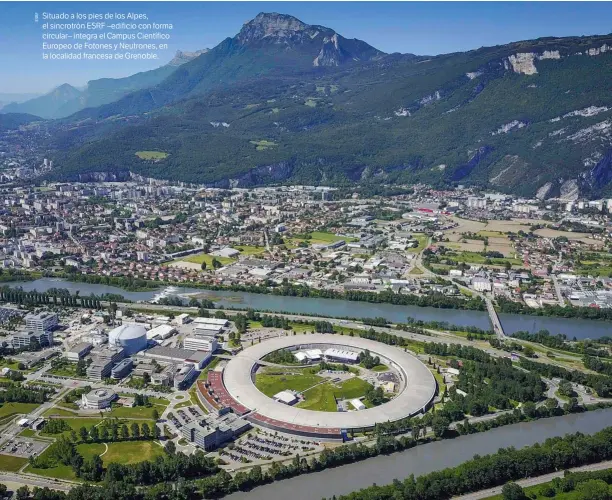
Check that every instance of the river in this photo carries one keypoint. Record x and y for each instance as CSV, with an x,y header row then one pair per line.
x,y
579,328
425,458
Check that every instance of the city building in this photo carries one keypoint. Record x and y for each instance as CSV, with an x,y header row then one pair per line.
x,y
341,355
285,397
200,343
161,332
41,323
98,399
78,351
122,369
30,339
99,369
184,375
165,377
212,431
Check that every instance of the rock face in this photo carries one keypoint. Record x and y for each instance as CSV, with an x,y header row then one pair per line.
x,y
274,26
182,57
331,54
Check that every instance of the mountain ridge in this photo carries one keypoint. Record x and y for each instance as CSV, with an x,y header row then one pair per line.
x,y
531,117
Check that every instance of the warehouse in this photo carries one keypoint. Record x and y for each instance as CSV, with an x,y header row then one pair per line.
x,y
161,332
211,321
341,355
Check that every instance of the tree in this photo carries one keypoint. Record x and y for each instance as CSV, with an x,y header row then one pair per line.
x,y
94,433
156,432
104,435
439,424
203,266
528,351
566,389
170,448
595,489
84,435
146,378
145,431
155,414
22,493
529,409
216,264
81,368
125,433
135,431
512,491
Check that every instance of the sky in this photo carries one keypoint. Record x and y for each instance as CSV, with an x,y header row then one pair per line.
x,y
416,27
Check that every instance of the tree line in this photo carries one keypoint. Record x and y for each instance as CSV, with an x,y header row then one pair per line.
x,y
498,468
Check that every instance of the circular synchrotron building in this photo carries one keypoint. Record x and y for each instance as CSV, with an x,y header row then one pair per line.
x,y
234,387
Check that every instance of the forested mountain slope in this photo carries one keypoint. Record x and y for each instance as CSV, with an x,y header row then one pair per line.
x,y
287,102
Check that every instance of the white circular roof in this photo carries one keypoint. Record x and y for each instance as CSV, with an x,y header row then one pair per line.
x,y
126,332
420,384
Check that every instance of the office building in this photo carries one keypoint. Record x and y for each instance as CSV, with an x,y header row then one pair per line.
x,y
212,431
40,323
122,369
200,343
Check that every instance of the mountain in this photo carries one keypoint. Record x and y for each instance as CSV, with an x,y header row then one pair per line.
x,y
283,101
45,106
67,100
11,121
8,98
269,45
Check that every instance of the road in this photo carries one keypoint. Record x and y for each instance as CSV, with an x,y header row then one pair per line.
x,y
32,480
532,481
558,291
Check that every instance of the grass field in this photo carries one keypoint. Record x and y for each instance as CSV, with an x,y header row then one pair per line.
x,y
10,409
380,368
476,258
316,397
125,452
144,412
131,452
152,155
12,464
247,250
422,239
198,258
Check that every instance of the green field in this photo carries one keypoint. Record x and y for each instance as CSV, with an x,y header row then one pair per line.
x,y
380,368
131,452
125,452
12,464
476,258
143,412
263,144
247,250
422,239
10,409
316,397
152,155
204,257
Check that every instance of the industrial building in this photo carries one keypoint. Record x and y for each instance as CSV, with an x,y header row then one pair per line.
x,y
200,343
211,321
285,397
98,399
79,351
212,431
122,369
40,323
341,355
143,368
161,332
131,337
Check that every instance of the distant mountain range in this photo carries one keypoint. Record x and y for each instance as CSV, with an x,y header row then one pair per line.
x,y
66,100
284,101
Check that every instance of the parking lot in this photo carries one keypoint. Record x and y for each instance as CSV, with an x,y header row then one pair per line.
x,y
183,416
23,447
265,445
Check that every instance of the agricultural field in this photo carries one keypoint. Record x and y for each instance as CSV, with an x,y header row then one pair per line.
x,y
152,155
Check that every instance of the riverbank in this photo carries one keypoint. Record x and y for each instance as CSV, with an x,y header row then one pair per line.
x,y
335,308
426,458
